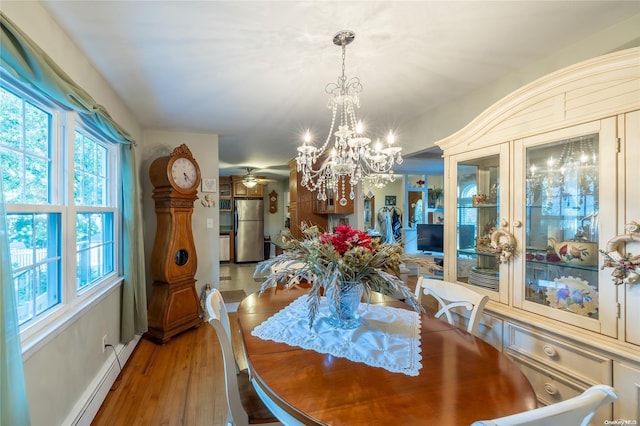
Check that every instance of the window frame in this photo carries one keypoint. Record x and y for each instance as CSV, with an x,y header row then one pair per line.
x,y
74,301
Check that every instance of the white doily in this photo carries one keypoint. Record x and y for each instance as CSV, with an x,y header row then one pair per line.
x,y
387,337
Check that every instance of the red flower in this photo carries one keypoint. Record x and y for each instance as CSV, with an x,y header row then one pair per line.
x,y
345,238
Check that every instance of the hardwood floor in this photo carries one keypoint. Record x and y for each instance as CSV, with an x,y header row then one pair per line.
x,y
181,382
178,383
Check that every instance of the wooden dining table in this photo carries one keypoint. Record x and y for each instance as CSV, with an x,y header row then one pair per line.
x,y
462,378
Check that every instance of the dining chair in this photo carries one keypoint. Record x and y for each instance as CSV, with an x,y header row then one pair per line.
x,y
451,296
291,265
578,410
244,405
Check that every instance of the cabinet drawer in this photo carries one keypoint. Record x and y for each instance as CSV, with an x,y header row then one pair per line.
x,y
490,330
550,388
570,360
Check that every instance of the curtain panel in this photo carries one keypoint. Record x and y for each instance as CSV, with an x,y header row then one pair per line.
x,y
28,63
14,408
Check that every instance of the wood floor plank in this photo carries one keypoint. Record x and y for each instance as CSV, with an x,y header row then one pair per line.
x,y
178,383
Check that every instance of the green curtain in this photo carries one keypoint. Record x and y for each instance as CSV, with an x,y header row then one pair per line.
x,y
134,291
21,57
14,408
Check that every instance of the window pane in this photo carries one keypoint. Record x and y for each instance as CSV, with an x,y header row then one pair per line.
x,y
35,260
94,247
24,150
11,119
36,130
12,173
35,177
90,188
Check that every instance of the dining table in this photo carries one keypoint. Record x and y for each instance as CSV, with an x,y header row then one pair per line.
x,y
460,379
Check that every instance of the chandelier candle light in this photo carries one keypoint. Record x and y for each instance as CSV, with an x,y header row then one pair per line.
x,y
352,158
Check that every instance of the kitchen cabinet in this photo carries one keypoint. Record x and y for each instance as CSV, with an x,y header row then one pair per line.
x,y
535,188
225,248
334,204
241,191
225,190
302,204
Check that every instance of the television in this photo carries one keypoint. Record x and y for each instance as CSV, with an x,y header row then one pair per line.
x,y
430,237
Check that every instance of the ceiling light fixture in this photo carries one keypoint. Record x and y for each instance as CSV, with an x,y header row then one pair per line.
x,y
352,158
249,180
249,183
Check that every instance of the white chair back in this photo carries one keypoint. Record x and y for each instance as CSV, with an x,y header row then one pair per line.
x,y
219,319
451,296
292,281
575,411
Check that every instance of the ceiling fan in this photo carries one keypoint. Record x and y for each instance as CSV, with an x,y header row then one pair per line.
x,y
250,180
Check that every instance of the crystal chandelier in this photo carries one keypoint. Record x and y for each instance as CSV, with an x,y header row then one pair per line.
x,y
351,158
377,181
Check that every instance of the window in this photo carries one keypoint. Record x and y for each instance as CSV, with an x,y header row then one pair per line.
x,y
94,225
60,188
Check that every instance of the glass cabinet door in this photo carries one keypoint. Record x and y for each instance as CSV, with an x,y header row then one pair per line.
x,y
478,213
566,210
562,215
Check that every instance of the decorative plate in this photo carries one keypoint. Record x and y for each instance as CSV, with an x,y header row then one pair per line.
x,y
574,295
485,271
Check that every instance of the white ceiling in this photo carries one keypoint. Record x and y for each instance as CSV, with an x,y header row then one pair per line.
x,y
254,72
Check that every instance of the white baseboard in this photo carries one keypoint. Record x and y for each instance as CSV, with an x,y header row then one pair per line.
x,y
87,407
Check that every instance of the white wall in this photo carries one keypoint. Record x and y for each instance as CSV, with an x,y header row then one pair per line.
x,y
427,128
204,147
61,375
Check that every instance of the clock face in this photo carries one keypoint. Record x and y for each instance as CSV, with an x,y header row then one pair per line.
x,y
184,173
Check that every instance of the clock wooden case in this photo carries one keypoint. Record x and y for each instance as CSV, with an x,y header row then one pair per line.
x,y
174,305
273,202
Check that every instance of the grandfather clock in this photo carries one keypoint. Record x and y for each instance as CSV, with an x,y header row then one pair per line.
x,y
174,305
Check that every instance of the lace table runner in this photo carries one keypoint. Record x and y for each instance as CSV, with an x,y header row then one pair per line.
x,y
387,337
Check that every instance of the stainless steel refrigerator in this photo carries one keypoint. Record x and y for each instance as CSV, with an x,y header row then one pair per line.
x,y
249,227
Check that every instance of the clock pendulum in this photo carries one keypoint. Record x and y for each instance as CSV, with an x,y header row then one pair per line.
x,y
174,306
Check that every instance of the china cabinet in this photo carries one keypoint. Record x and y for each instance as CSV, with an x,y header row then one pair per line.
x,y
537,186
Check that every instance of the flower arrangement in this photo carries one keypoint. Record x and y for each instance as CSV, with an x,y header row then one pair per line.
x,y
502,250
626,268
334,260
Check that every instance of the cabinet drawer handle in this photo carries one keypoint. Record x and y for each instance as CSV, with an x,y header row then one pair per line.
x,y
550,389
550,351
